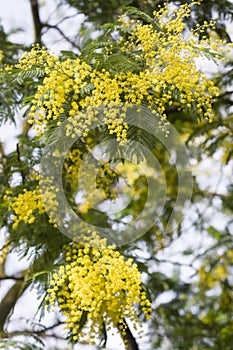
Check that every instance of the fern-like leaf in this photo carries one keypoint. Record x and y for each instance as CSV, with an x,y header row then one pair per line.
x,y
133,11
21,76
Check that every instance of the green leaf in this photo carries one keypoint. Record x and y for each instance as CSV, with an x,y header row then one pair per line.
x,y
130,10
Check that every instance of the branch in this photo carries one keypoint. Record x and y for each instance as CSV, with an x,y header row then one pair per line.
x,y
50,328
50,26
41,332
215,194
10,300
129,339
166,261
36,20
28,334
19,160
65,18
15,278
224,94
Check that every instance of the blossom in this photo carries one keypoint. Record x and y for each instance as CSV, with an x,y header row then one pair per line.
x,y
165,73
97,281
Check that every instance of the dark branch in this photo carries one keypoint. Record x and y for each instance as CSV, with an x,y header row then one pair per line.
x,y
50,26
36,20
42,332
19,160
13,294
128,338
225,93
9,301
15,278
65,18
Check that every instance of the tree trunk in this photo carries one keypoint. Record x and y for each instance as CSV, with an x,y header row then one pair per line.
x,y
36,20
129,339
9,301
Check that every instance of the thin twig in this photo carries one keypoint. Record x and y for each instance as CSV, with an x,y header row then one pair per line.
x,y
50,26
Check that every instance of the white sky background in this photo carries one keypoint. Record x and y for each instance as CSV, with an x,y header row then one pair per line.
x,y
17,14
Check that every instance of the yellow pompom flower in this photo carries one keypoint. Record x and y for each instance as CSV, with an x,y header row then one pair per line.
x,y
164,72
97,285
4,251
25,206
1,57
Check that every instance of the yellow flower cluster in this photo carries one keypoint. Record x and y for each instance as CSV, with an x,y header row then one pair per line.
x,y
166,74
99,286
170,58
71,167
98,190
1,56
27,205
4,251
215,282
38,58
76,177
105,179
211,275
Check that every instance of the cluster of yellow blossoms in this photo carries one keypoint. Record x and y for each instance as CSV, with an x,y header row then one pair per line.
x,y
2,66
170,59
26,206
4,251
44,198
97,286
105,179
31,203
71,167
165,73
74,174
1,57
212,275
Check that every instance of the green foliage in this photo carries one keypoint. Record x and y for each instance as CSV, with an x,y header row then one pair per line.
x,y
101,11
